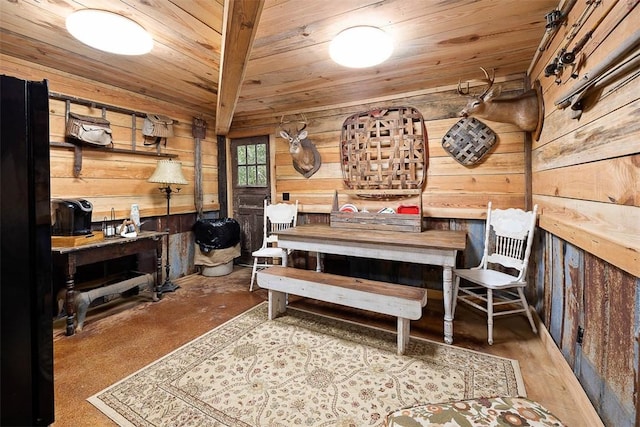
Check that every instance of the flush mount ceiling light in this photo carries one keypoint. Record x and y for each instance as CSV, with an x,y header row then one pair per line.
x,y
109,32
361,47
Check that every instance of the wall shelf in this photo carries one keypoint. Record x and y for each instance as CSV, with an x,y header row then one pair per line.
x,y
111,150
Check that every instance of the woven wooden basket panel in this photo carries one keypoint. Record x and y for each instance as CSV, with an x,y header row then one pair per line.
x,y
468,141
384,149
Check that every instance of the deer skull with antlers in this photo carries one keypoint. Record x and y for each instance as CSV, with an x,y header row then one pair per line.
x,y
304,154
522,110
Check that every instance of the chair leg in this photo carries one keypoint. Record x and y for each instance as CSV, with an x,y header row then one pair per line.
x,y
253,273
527,311
454,303
490,316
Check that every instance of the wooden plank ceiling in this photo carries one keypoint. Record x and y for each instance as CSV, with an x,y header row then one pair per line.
x,y
283,61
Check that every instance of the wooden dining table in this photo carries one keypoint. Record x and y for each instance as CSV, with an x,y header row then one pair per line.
x,y
431,247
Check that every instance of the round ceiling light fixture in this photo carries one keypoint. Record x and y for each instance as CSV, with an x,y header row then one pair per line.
x,y
109,32
361,47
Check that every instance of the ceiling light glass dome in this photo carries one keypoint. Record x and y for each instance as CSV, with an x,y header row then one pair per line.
x,y
361,47
109,32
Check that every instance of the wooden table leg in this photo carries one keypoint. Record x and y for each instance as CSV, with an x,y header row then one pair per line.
x,y
69,304
70,296
447,290
158,282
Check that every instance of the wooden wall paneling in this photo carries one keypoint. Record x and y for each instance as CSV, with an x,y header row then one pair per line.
x,y
499,177
591,374
615,180
621,365
601,43
547,274
559,124
476,183
536,293
114,179
573,318
556,291
596,227
610,136
608,368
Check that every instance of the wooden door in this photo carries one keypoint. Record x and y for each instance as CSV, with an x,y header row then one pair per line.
x,y
251,185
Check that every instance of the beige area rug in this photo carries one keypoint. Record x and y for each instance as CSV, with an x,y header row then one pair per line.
x,y
301,369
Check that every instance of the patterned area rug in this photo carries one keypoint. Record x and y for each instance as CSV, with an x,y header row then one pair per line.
x,y
300,369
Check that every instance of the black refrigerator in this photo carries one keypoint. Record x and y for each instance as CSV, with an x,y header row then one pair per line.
x,y
26,328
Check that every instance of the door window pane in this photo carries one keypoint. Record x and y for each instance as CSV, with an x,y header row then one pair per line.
x,y
242,175
251,154
242,154
252,165
261,150
261,178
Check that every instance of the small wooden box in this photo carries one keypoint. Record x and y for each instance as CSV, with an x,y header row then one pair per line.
x,y
377,221
411,223
73,241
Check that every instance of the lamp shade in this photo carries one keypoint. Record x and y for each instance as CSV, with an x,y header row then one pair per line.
x,y
168,172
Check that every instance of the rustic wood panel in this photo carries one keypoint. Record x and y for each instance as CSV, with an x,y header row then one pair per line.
x,y
116,180
614,180
585,176
609,364
594,159
451,189
604,40
609,136
556,290
601,301
596,227
573,317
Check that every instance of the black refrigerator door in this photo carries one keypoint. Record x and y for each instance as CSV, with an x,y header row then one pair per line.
x,y
26,328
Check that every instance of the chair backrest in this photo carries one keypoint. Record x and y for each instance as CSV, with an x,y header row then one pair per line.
x,y
279,216
509,237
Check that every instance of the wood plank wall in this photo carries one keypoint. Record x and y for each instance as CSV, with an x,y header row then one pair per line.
x,y
586,180
118,180
451,189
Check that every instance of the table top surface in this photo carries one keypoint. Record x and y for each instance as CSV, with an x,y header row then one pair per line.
x,y
441,239
118,240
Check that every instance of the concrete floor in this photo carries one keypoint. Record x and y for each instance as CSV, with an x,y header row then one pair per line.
x,y
125,335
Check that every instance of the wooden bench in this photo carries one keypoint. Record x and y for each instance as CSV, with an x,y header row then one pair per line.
x,y
404,302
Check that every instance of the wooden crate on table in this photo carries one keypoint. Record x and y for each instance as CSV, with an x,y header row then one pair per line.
x,y
405,222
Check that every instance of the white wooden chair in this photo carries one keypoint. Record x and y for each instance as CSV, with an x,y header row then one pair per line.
x,y
508,241
277,217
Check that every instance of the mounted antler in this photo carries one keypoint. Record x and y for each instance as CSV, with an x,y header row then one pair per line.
x,y
305,156
488,80
523,111
287,130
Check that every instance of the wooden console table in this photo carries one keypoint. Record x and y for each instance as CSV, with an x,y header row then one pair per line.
x,y
432,247
69,258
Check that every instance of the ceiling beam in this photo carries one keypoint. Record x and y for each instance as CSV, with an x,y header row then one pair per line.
x,y
239,28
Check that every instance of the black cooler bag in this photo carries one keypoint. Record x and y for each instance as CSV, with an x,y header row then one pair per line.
x,y
216,233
